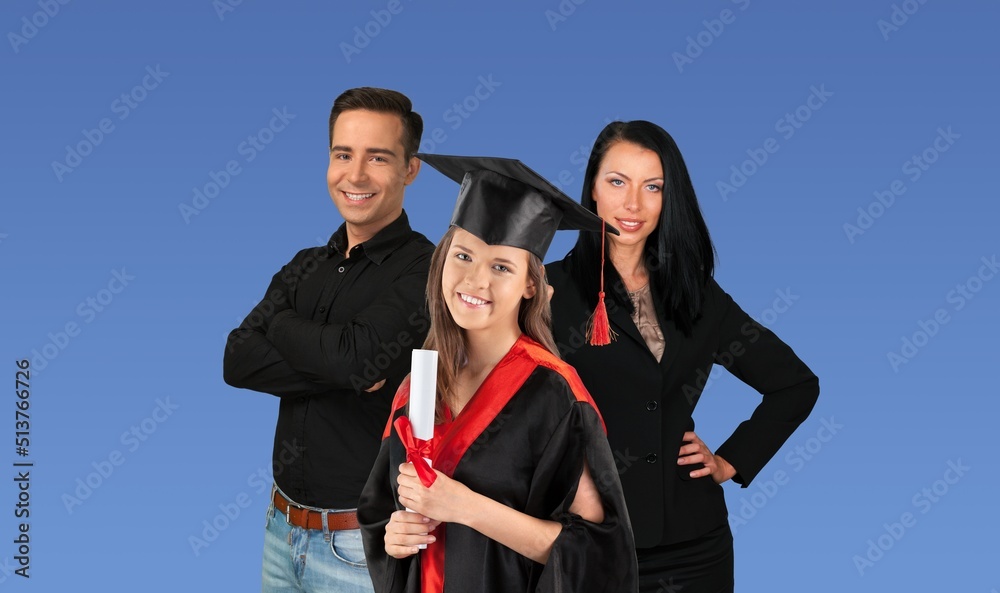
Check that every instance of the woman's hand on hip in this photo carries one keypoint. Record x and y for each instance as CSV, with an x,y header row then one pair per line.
x,y
696,451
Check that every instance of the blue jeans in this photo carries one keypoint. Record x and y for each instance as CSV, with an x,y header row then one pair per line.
x,y
298,560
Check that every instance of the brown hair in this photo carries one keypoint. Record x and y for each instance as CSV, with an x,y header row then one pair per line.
x,y
382,101
534,318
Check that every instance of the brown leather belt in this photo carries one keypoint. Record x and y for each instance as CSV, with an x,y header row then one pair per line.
x,y
310,519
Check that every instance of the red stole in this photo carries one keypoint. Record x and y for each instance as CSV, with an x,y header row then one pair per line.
x,y
452,439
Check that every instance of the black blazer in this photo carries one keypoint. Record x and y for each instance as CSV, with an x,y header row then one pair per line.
x,y
647,405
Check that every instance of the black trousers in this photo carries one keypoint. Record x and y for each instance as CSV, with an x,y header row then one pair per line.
x,y
702,565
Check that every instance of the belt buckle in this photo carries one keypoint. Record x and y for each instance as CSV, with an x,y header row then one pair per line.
x,y
288,509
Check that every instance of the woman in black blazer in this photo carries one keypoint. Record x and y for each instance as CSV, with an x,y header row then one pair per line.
x,y
673,322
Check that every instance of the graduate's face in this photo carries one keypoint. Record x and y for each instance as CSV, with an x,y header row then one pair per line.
x,y
369,169
628,190
483,284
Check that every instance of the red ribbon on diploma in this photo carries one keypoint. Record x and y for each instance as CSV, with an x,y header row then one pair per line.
x,y
416,451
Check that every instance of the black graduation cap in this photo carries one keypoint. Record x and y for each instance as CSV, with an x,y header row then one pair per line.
x,y
503,202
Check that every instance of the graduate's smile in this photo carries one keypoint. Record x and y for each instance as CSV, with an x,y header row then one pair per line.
x,y
484,284
473,301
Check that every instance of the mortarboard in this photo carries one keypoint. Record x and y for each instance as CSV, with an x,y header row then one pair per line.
x,y
503,202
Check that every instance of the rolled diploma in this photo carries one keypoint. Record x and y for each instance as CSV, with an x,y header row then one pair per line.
x,y
423,395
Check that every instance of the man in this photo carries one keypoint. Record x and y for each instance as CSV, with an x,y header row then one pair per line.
x,y
332,339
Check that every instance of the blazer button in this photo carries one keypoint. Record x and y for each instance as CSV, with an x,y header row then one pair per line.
x,y
322,309
341,269
651,458
651,405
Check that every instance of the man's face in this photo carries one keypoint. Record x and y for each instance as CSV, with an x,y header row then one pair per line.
x,y
368,169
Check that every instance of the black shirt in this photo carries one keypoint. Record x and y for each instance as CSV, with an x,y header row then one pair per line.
x,y
331,325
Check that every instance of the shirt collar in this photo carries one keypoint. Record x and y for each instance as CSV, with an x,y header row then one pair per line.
x,y
378,247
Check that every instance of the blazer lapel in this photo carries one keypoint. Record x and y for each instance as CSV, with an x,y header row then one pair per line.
x,y
672,336
622,324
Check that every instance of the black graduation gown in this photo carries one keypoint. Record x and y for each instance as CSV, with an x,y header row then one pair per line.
x,y
521,440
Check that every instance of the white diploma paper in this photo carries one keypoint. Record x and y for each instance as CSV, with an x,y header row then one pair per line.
x,y
423,393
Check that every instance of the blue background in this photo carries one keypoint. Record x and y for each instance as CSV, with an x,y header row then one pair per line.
x,y
557,73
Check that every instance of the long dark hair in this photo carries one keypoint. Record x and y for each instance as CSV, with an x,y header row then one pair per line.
x,y
679,255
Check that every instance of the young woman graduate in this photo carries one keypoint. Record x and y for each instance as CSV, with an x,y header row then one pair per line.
x,y
524,494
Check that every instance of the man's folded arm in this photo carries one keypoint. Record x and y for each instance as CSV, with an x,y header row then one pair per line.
x,y
343,355
252,362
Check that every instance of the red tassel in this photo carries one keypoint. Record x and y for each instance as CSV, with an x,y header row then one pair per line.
x,y
598,328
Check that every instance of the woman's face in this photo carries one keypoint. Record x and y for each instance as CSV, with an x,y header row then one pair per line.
x,y
628,190
483,284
